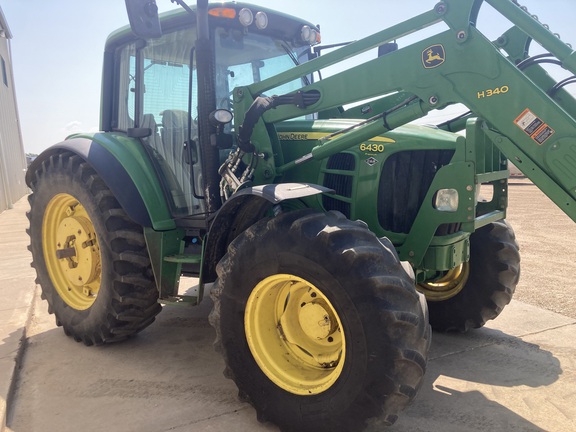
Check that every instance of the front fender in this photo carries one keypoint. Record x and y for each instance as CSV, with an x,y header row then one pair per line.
x,y
124,166
244,209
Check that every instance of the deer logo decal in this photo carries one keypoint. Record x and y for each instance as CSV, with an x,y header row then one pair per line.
x,y
433,56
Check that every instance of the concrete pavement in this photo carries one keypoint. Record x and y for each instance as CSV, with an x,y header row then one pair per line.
x,y
16,293
517,374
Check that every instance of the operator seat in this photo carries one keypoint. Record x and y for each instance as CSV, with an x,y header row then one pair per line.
x,y
161,155
153,140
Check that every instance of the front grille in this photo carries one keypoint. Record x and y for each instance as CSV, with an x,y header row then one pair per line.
x,y
342,184
405,181
342,162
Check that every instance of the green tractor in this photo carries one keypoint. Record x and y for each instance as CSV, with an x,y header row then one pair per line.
x,y
334,238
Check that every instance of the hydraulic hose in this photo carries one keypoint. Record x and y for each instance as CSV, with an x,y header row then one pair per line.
x,y
264,103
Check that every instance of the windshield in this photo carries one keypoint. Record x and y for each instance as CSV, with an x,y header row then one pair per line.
x,y
245,58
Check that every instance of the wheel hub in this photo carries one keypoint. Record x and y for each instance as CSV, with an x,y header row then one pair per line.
x,y
447,285
71,251
315,321
294,334
78,257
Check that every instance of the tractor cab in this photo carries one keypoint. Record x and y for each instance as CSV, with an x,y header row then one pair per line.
x,y
154,88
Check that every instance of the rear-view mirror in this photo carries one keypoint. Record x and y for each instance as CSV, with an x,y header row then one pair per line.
x,y
143,16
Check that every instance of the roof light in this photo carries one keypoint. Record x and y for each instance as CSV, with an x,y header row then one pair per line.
x,y
246,17
310,35
313,37
261,20
305,33
221,12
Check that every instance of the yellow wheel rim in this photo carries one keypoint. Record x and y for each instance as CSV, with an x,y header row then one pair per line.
x,y
71,251
295,334
446,286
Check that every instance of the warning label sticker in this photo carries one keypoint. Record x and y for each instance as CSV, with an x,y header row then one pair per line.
x,y
543,134
534,126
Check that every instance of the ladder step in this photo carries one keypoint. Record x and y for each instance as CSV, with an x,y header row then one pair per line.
x,y
182,300
184,259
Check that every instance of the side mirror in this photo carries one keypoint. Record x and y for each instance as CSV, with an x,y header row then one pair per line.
x,y
143,16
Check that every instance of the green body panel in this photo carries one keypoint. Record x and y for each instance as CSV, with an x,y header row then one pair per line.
x,y
161,246
446,257
133,157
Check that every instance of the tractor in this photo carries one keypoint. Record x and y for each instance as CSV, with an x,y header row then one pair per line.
x,y
332,233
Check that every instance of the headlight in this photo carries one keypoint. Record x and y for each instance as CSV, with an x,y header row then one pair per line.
x,y
446,200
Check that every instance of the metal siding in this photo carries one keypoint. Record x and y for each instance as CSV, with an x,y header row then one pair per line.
x,y
12,156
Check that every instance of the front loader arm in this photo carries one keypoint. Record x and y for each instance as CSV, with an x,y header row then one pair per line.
x,y
459,65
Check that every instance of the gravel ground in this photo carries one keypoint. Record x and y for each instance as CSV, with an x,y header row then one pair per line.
x,y
547,239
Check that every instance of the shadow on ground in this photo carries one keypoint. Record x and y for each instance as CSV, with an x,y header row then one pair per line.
x,y
169,378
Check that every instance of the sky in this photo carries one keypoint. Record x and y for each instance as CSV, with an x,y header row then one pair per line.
x,y
57,48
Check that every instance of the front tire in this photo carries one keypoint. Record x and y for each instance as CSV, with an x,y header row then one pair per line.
x,y
477,291
90,258
320,326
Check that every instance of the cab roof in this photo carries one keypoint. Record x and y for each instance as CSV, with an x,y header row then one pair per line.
x,y
280,24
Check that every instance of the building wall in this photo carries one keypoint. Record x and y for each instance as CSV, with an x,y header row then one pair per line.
x,y
12,156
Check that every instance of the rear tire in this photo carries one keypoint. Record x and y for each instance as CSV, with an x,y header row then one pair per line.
x,y
320,326
484,286
91,260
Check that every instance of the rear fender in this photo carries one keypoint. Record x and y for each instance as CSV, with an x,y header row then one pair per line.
x,y
125,167
243,210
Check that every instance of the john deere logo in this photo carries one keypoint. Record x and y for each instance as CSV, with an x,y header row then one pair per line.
x,y
433,56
